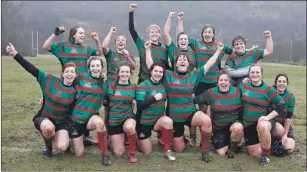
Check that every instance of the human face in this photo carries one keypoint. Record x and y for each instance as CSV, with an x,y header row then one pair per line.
x,y
239,46
154,34
182,64
281,84
223,83
121,42
124,73
156,74
255,74
95,68
69,75
208,35
183,41
79,36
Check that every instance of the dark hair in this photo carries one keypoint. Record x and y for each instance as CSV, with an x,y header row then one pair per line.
x,y
206,27
121,64
70,64
182,55
178,36
253,65
237,38
223,72
279,75
154,65
72,33
89,61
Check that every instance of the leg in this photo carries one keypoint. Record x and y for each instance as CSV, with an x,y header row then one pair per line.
x,y
192,140
221,139
62,140
254,150
78,145
236,130
178,141
277,131
129,129
252,140
118,147
290,145
264,134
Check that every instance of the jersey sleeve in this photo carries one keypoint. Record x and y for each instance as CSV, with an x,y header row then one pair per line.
x,y
192,42
109,55
291,104
275,98
43,78
141,92
203,98
55,48
199,73
93,51
227,50
258,54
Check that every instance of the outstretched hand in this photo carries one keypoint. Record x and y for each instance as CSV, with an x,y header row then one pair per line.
x,y
59,30
113,30
171,14
267,33
220,45
94,35
10,49
180,15
133,7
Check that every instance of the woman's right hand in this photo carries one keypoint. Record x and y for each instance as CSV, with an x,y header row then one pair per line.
x,y
10,49
133,7
59,30
158,96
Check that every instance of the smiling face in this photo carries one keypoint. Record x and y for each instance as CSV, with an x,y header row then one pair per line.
x,y
69,74
281,84
124,73
95,68
255,74
208,34
79,36
121,42
154,34
156,74
239,46
183,41
182,63
224,83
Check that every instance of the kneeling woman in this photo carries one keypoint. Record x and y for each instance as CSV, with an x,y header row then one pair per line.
x,y
120,118
281,85
258,97
59,93
151,97
226,105
180,86
85,116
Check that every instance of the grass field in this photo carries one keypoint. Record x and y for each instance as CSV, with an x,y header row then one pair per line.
x,y
22,144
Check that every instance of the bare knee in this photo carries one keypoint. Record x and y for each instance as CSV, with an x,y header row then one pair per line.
x,y
206,124
62,146
100,125
254,151
79,152
118,152
167,123
263,127
222,152
237,128
48,131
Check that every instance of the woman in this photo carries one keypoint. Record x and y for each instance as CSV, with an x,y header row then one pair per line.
x,y
159,53
257,97
114,57
182,45
74,50
85,115
151,97
52,120
180,86
239,60
281,85
225,102
121,118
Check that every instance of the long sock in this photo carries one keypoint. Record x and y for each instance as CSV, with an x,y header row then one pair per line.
x,y
204,141
132,142
48,142
167,136
265,152
86,133
102,141
234,144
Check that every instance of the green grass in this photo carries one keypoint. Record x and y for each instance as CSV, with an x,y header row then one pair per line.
x,y
21,142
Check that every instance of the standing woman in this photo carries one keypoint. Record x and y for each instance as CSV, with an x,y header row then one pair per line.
x,y
281,85
180,86
159,53
113,58
151,97
121,118
73,50
226,105
52,120
85,115
259,124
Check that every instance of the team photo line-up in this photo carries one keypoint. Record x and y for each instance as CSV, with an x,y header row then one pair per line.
x,y
177,81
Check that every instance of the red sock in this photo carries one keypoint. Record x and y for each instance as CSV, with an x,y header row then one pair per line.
x,y
167,136
204,141
102,141
132,142
265,152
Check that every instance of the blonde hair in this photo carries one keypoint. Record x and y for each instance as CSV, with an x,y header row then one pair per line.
x,y
153,26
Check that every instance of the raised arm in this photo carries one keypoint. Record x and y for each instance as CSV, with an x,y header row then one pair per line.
x,y
149,60
132,63
269,44
50,40
214,58
98,44
10,49
132,30
180,22
106,41
167,28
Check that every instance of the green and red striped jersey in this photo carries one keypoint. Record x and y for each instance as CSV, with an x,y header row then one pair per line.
x,y
225,106
120,103
157,109
174,52
67,51
158,54
58,98
203,52
113,59
257,101
289,100
236,61
91,92
180,89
